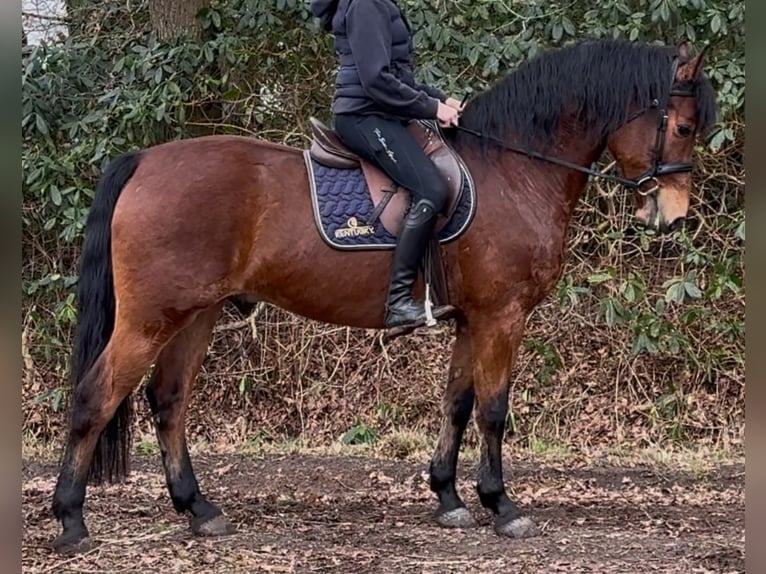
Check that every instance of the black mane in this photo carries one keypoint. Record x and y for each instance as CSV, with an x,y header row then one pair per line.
x,y
595,79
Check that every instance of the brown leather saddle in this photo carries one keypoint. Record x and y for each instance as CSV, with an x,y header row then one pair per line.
x,y
391,201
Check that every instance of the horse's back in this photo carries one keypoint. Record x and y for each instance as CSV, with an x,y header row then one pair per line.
x,y
221,143
207,174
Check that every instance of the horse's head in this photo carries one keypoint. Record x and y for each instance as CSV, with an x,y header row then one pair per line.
x,y
654,147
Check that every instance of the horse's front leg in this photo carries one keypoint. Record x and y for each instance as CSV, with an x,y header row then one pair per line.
x,y
496,344
457,406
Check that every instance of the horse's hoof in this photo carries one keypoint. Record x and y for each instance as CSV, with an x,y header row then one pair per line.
x,y
521,527
69,545
216,526
457,518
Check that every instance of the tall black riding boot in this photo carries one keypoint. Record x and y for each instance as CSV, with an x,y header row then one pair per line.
x,y
402,312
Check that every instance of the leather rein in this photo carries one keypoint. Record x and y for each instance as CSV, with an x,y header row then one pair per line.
x,y
658,168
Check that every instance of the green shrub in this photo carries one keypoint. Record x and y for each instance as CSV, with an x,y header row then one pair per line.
x,y
263,68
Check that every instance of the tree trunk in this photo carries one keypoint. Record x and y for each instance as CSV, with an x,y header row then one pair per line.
x,y
171,18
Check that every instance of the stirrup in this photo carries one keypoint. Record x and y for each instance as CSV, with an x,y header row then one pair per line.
x,y
442,312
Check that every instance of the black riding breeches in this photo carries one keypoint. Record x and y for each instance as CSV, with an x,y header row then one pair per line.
x,y
388,145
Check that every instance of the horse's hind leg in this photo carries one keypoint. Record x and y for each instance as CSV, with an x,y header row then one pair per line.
x,y
495,348
168,392
457,406
115,374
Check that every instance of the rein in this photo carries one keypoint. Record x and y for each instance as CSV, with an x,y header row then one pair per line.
x,y
658,168
537,155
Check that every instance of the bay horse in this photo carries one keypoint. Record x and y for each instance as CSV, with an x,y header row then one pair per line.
x,y
177,229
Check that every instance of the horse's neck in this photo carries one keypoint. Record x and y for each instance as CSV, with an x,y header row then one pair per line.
x,y
558,186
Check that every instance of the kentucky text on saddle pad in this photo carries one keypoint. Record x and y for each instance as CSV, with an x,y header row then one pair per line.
x,y
356,206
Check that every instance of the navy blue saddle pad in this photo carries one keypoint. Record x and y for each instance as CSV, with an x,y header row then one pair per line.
x,y
342,206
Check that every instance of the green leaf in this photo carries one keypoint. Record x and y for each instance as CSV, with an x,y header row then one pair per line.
x,y
613,311
675,292
42,126
599,278
629,292
740,232
692,290
55,195
473,56
557,31
160,112
715,23
690,316
717,140
231,95
644,343
569,27
360,434
639,344
664,12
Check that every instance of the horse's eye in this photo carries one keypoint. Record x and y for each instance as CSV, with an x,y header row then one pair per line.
x,y
684,131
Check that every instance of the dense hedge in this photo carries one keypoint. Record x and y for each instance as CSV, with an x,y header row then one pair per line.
x,y
652,344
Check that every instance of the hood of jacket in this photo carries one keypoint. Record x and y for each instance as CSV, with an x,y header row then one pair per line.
x,y
324,10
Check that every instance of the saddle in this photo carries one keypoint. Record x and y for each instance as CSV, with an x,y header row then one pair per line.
x,y
391,201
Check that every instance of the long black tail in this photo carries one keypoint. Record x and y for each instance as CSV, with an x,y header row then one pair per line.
x,y
96,307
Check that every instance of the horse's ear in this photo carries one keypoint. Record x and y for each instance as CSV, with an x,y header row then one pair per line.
x,y
696,63
690,68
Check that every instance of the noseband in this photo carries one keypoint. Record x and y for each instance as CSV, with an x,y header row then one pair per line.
x,y
658,168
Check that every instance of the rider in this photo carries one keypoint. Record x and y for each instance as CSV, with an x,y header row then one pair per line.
x,y
375,97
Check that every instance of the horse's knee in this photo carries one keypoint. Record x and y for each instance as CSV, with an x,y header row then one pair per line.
x,y
461,406
491,414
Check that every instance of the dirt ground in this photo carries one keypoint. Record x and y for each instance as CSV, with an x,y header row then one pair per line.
x,y
321,513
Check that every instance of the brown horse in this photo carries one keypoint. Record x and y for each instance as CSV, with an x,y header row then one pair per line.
x,y
177,229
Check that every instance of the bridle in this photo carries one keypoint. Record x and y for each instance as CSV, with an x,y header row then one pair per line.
x,y
658,167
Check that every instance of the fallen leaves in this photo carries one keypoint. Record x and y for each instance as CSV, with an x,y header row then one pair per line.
x,y
352,514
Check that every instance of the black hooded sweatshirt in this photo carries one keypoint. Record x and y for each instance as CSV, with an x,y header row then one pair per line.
x,y
374,45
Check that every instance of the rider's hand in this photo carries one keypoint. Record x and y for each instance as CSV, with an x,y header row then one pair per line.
x,y
453,103
447,115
